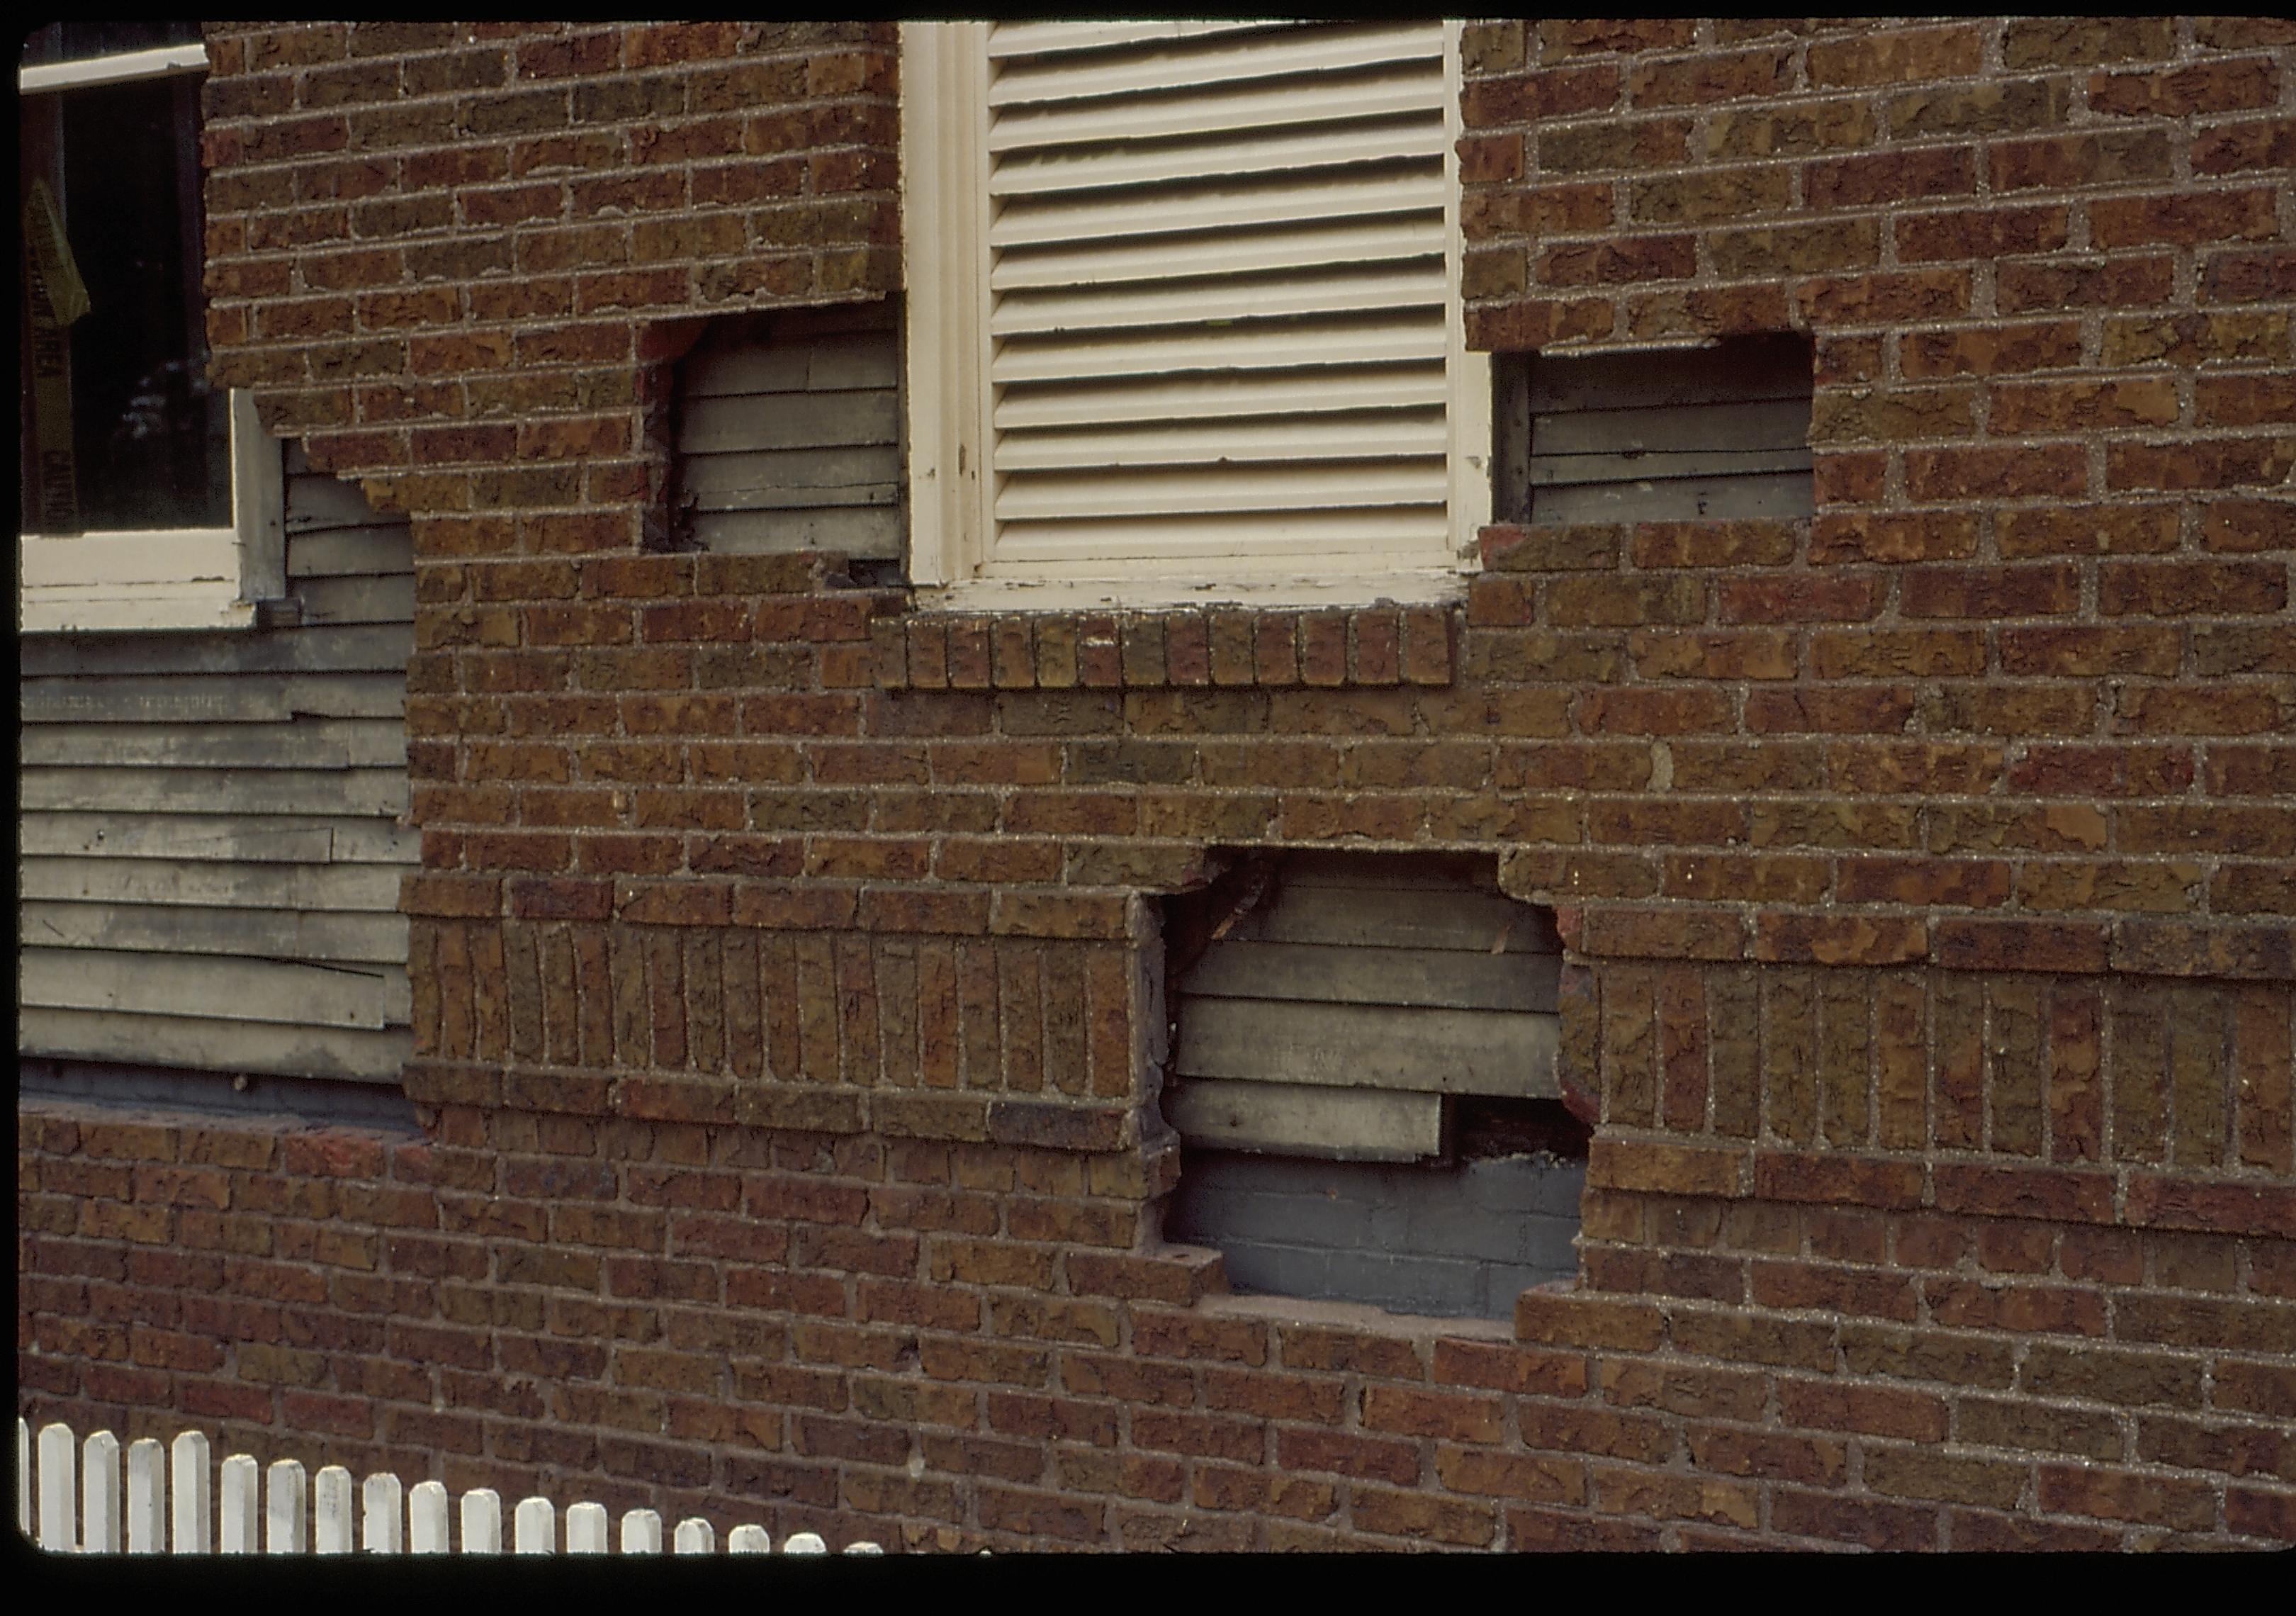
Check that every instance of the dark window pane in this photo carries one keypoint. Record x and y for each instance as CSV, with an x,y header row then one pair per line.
x,y
71,41
152,438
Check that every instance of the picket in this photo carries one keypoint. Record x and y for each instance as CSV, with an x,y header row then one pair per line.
x,y
379,1514
191,1511
585,1529
482,1521
282,1514
99,1510
146,1489
59,1531
331,1512
426,1518
641,1532
536,1527
240,1481
174,1503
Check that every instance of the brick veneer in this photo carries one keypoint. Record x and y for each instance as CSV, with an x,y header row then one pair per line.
x,y
789,1020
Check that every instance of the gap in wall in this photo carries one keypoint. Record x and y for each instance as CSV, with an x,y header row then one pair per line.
x,y
1363,1080
1713,433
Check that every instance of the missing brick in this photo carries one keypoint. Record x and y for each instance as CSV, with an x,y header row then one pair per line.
x,y
1718,433
1364,1081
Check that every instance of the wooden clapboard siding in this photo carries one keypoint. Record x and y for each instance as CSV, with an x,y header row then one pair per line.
x,y
369,891
244,697
255,838
1290,1118
1314,973
379,940
228,791
169,982
209,832
1330,1020
322,742
185,1041
1714,433
789,434
1420,1047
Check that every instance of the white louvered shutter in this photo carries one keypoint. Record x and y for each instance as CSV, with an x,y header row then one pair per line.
x,y
1218,344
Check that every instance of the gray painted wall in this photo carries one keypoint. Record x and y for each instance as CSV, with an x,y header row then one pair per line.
x,y
1453,1241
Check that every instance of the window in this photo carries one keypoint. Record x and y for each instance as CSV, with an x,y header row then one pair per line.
x,y
150,500
1184,322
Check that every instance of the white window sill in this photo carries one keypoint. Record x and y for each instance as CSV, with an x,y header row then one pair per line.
x,y
111,582
1429,587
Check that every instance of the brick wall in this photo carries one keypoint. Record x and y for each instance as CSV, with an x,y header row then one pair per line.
x,y
2029,671
788,986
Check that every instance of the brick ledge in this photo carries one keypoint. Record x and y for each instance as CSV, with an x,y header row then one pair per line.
x,y
1327,648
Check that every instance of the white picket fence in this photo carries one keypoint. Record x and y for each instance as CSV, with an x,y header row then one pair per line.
x,y
170,1492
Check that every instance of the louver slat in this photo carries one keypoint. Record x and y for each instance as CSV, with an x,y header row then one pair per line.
x,y
1026,39
1049,218
1303,249
1345,98
1248,545
1023,79
1290,346
1212,445
1091,309
1218,285
1221,397
1280,151
1263,487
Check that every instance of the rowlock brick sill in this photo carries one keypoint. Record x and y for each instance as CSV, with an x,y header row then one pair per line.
x,y
1218,647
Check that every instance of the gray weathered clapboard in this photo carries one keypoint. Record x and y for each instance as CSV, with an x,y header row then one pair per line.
x,y
1677,435
789,434
1333,1019
210,830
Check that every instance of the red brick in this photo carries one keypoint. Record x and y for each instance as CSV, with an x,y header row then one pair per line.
x,y
1359,1458
1848,1180
1883,1411
1835,1517
2120,1495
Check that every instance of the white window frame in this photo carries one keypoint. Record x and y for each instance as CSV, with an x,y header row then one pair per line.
x,y
160,579
945,250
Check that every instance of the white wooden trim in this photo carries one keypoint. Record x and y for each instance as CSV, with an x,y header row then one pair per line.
x,y
185,558
1469,373
130,608
944,180
161,61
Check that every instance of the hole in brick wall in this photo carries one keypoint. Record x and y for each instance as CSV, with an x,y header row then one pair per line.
x,y
1715,433
1488,1128
788,432
1363,1080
